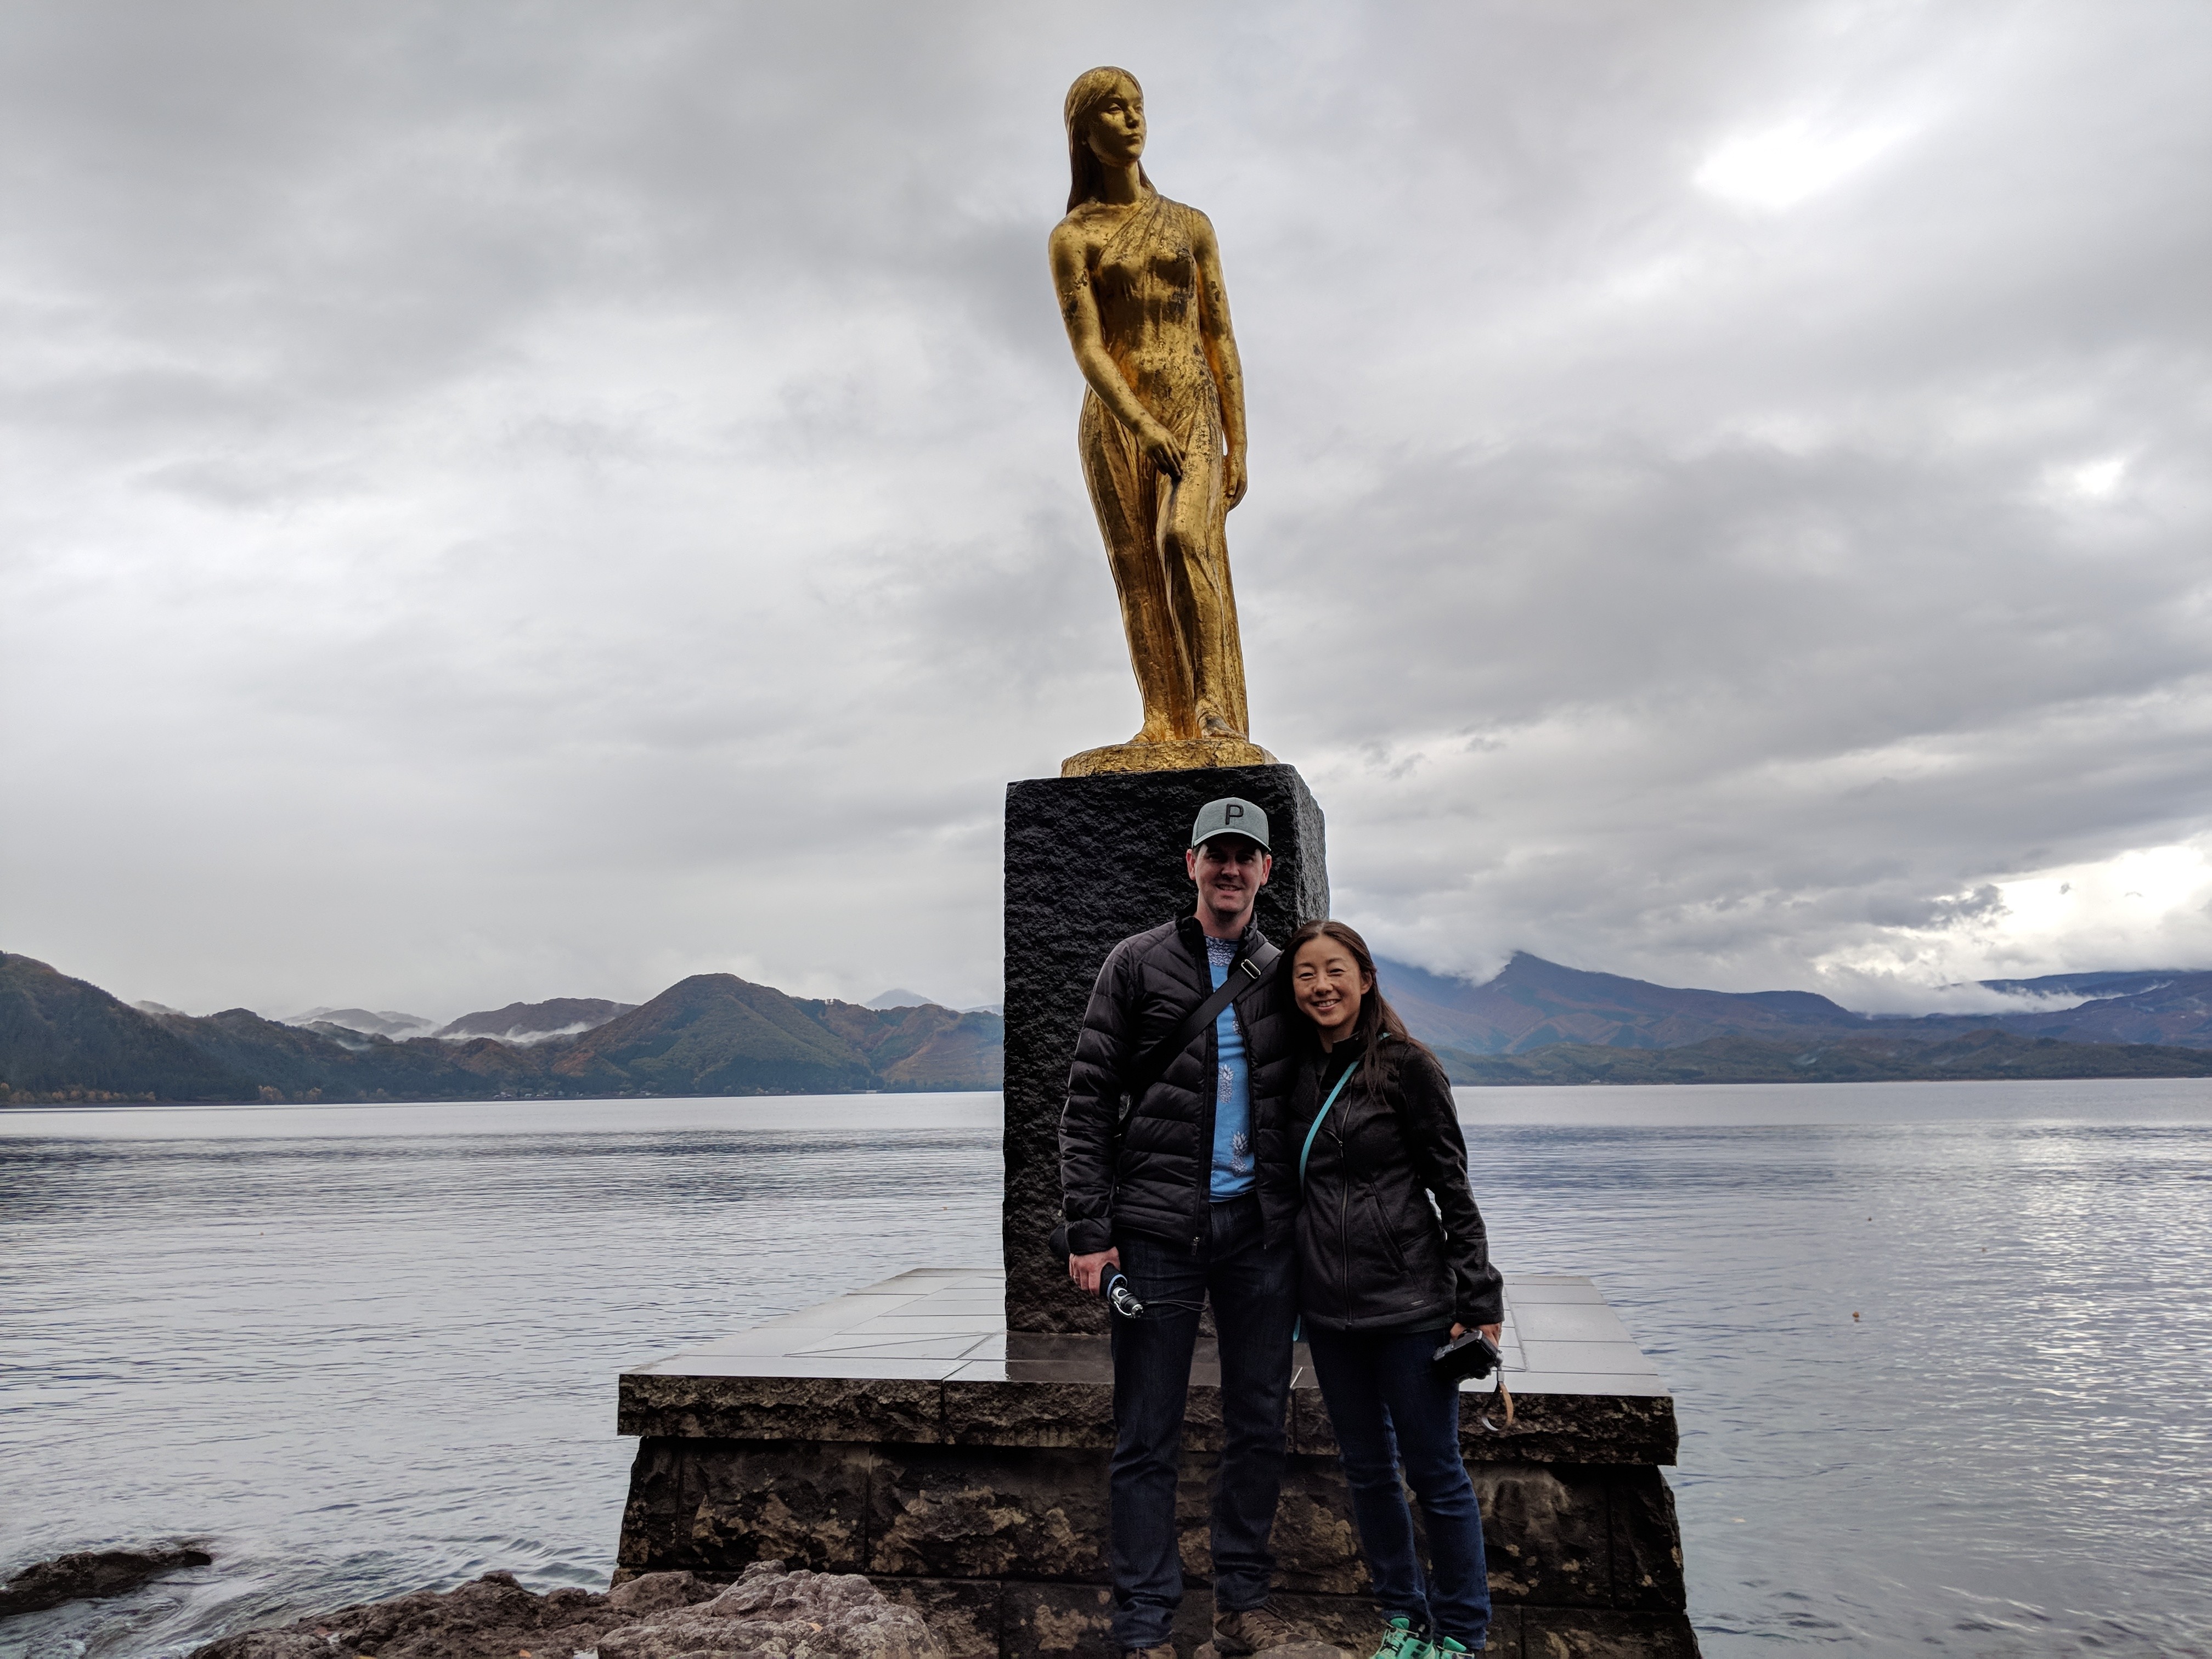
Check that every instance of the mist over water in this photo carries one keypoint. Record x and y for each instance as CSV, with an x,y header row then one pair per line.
x,y
365,1350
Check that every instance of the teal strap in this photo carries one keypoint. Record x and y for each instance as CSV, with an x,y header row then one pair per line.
x,y
1298,1330
1306,1150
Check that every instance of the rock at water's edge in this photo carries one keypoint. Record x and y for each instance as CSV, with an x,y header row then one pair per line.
x,y
90,1575
768,1614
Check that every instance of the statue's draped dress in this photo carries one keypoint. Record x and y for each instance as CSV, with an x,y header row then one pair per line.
x,y
1165,540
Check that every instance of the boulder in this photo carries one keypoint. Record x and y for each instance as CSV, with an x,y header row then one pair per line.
x,y
768,1613
88,1574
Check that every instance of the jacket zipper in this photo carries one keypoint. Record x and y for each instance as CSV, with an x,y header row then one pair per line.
x,y
1212,1097
1208,1100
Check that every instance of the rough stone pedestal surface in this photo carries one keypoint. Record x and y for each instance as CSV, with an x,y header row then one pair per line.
x,y
903,1432
1091,860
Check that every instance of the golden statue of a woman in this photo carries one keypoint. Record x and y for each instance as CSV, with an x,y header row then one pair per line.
x,y
1162,433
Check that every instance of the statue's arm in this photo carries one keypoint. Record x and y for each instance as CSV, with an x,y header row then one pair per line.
x,y
1221,349
1079,310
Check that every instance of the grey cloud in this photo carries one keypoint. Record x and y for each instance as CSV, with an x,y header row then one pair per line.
x,y
526,502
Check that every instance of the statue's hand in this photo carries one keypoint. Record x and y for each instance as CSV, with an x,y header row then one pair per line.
x,y
1234,484
1162,448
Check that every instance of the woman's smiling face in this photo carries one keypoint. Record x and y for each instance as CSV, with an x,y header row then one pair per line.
x,y
1328,986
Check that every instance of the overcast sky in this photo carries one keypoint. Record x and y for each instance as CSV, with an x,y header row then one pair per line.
x,y
508,501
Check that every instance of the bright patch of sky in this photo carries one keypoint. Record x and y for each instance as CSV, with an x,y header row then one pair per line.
x,y
1778,167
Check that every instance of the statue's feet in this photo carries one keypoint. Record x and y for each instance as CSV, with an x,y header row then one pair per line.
x,y
1155,732
1213,725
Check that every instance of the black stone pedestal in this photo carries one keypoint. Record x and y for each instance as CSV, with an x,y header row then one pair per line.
x,y
1089,862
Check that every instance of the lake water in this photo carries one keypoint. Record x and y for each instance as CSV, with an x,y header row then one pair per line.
x,y
362,1350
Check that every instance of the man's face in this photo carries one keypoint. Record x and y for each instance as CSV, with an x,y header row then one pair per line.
x,y
1229,870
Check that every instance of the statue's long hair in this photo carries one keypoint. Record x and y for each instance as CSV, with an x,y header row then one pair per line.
x,y
1086,177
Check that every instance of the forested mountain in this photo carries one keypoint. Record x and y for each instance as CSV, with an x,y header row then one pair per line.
x,y
1533,1004
716,1034
1982,1054
534,1021
62,1039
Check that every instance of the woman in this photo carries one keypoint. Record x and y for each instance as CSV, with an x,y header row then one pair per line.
x,y
1386,1277
1162,433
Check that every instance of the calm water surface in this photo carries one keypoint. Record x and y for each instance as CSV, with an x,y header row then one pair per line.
x,y
361,1350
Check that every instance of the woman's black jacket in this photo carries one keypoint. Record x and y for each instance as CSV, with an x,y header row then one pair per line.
x,y
1373,1253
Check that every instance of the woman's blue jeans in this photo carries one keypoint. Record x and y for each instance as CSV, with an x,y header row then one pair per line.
x,y
1376,1384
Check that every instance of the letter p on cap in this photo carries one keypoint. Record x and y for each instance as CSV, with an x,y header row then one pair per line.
x,y
1229,816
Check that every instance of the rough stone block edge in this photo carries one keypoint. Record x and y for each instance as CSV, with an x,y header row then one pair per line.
x,y
1630,1430
1619,1594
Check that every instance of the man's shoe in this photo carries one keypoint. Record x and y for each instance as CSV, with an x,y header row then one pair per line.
x,y
1402,1641
1255,1630
1445,1647
1165,1651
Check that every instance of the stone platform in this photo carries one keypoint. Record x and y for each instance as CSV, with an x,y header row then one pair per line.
x,y
904,1432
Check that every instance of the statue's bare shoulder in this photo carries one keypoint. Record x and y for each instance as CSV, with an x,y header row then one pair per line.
x,y
1084,231
1074,246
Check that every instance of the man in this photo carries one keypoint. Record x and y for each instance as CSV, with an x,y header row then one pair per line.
x,y
1168,1194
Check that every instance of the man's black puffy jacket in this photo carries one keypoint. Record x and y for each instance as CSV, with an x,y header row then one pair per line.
x,y
1150,1173
1373,1253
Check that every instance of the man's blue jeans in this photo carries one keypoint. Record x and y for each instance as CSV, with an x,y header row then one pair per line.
x,y
1374,1384
1252,1288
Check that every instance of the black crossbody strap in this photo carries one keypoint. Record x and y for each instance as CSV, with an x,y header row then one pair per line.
x,y
1244,973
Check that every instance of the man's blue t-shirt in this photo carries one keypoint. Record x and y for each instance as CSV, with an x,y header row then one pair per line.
x,y
1232,1087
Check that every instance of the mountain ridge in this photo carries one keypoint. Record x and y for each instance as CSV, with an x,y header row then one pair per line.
x,y
64,1039
1531,1004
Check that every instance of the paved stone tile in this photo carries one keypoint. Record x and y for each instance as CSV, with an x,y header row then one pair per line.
x,y
1570,1322
1551,1287
761,1342
1611,1359
918,1347
838,1311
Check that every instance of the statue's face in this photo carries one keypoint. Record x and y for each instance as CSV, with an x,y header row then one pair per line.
x,y
1117,126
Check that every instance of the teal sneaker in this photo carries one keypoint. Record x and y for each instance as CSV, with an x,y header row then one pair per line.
x,y
1444,1646
1402,1641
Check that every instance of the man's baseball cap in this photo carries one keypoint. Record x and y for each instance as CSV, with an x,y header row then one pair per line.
x,y
1229,817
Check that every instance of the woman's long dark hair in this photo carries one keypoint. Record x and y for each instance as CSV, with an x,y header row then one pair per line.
x,y
1085,175
1377,1018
